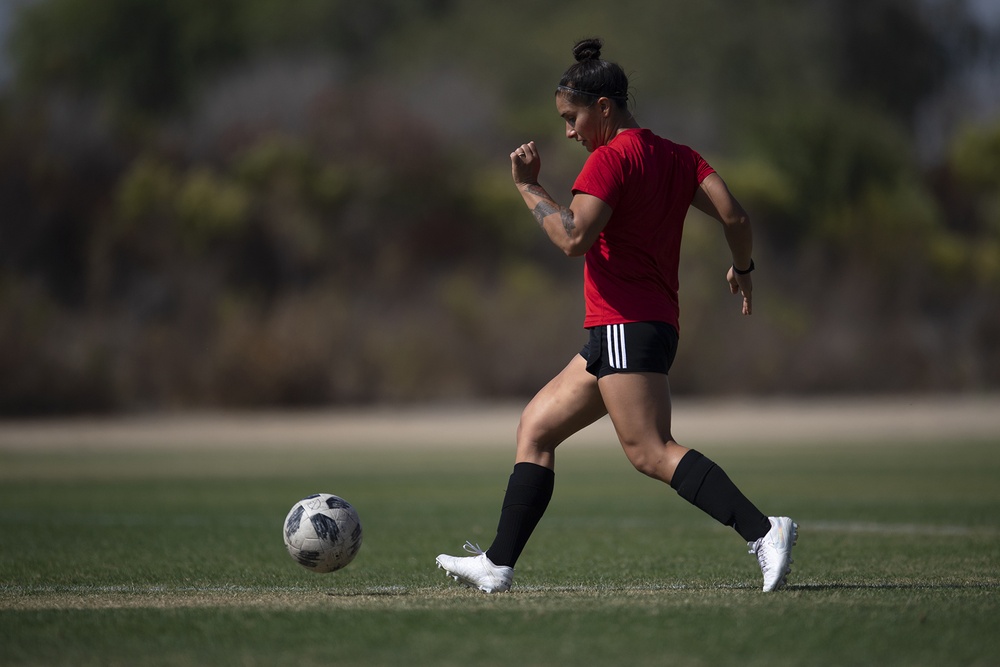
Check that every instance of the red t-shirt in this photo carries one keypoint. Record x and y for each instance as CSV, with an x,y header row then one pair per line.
x,y
630,273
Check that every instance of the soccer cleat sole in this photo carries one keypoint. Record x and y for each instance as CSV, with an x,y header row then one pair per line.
x,y
465,583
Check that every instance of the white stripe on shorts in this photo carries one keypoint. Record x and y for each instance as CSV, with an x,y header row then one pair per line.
x,y
616,346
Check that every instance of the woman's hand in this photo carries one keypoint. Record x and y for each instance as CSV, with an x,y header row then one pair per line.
x,y
741,284
525,164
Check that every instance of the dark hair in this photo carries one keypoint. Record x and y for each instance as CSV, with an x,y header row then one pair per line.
x,y
590,77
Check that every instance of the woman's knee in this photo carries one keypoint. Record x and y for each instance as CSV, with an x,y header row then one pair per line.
x,y
642,461
532,431
534,443
656,460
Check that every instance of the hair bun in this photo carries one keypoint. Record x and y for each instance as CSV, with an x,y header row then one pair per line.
x,y
588,49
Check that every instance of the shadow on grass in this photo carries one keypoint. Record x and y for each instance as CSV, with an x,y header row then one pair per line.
x,y
876,586
599,590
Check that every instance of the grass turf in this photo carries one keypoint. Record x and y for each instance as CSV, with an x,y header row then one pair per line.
x,y
175,558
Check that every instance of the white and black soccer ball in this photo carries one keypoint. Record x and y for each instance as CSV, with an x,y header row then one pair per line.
x,y
323,532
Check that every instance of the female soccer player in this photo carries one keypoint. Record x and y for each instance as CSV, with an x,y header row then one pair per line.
x,y
626,216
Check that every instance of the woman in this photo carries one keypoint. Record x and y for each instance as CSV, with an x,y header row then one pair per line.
x,y
626,216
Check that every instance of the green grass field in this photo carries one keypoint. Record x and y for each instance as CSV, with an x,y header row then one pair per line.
x,y
163,557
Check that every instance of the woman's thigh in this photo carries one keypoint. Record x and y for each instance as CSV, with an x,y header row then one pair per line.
x,y
570,402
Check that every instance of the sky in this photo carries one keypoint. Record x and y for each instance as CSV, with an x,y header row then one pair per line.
x,y
988,11
5,13
7,9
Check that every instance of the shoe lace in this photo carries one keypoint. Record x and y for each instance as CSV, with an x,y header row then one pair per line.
x,y
473,548
757,551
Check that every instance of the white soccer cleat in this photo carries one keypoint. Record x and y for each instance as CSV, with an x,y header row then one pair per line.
x,y
477,571
774,551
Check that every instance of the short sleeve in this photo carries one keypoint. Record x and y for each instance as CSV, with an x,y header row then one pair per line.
x,y
702,168
602,176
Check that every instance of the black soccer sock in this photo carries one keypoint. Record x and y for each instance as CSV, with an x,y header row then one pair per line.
x,y
528,493
706,486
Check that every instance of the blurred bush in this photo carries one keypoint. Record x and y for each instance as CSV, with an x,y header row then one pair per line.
x,y
308,202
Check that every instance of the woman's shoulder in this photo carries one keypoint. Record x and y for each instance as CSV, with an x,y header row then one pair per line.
x,y
641,136
644,144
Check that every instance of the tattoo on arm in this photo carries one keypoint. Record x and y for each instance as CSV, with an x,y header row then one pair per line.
x,y
547,207
542,210
569,224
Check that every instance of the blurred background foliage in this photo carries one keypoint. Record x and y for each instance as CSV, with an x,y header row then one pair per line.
x,y
248,203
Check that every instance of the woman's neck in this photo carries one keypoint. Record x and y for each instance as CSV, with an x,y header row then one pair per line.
x,y
628,123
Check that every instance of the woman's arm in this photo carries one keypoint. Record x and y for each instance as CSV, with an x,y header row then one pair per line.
x,y
574,228
713,198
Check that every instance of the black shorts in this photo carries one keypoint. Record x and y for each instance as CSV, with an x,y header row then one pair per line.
x,y
636,347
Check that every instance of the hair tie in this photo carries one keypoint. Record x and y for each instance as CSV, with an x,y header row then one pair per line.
x,y
574,91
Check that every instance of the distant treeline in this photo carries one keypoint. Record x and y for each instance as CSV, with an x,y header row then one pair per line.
x,y
288,203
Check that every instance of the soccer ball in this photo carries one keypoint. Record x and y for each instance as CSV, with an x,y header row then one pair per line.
x,y
322,532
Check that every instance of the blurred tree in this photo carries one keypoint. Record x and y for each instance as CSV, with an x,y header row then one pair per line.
x,y
828,158
890,57
971,192
150,56
135,54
